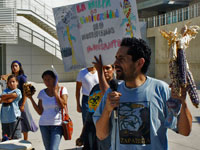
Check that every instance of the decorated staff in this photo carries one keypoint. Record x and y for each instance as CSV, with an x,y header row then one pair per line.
x,y
180,74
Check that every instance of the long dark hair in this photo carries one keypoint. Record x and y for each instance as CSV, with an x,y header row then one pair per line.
x,y
21,71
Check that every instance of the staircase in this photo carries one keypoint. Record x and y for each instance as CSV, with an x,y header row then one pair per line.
x,y
41,15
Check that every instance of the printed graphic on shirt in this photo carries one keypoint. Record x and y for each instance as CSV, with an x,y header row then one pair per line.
x,y
94,100
134,123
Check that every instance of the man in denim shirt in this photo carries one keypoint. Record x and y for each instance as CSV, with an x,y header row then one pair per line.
x,y
146,106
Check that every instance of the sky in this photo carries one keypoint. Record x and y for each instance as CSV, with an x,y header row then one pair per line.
x,y
57,3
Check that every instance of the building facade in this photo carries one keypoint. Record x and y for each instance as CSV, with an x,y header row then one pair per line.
x,y
37,46
174,15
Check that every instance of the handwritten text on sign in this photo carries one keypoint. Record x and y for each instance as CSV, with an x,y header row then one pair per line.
x,y
94,27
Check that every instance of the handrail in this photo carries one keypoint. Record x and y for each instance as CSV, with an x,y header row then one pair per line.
x,y
42,9
47,45
175,16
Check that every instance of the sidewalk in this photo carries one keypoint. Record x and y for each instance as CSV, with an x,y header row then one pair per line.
x,y
176,142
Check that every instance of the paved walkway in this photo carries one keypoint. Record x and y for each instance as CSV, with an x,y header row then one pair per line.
x,y
176,142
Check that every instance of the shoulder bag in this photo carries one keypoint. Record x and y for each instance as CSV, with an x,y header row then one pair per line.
x,y
66,122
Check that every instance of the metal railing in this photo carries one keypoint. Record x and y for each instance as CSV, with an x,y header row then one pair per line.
x,y
42,9
174,16
39,40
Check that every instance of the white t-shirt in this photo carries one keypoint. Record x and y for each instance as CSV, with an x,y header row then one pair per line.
x,y
51,111
88,80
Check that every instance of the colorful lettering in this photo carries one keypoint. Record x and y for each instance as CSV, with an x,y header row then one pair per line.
x,y
103,2
81,20
99,4
108,4
83,7
109,14
105,15
113,15
117,13
80,8
98,17
95,18
86,19
101,16
90,18
91,5
104,46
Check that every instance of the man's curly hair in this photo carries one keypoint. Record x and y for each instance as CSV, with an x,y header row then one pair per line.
x,y
138,48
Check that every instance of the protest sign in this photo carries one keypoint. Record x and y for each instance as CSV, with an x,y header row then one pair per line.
x,y
92,28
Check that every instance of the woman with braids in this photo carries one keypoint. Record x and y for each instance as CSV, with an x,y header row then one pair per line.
x,y
27,123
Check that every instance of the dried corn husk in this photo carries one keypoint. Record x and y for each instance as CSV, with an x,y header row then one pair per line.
x,y
29,89
192,90
182,67
173,72
178,67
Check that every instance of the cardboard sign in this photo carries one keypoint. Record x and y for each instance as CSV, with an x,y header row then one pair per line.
x,y
92,28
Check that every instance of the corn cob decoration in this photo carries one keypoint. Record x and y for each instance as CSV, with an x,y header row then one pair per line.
x,y
29,89
180,74
182,66
192,90
173,72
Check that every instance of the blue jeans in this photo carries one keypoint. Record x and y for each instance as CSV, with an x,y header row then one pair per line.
x,y
51,136
84,107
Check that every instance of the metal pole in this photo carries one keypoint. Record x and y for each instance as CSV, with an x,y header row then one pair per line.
x,y
116,133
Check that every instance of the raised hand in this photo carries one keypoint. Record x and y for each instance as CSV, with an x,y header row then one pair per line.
x,y
98,63
183,95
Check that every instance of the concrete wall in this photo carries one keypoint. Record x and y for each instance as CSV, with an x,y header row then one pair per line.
x,y
151,70
35,61
161,51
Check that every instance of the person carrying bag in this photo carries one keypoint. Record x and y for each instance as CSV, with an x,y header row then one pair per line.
x,y
49,106
66,122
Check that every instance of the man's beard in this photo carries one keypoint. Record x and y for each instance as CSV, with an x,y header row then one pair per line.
x,y
120,76
125,77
